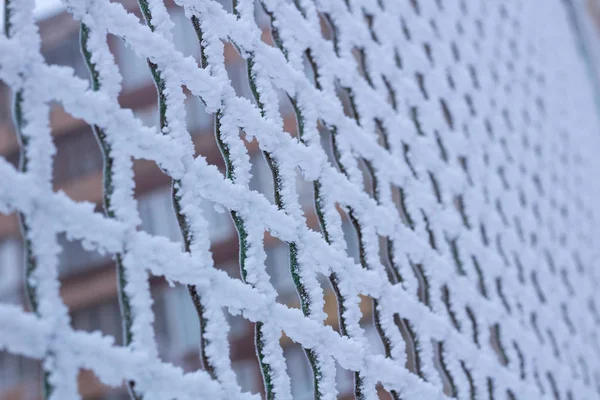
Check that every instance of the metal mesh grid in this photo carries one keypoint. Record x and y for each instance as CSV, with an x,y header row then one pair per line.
x,y
464,137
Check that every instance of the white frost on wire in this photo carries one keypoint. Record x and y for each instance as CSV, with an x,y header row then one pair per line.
x,y
499,221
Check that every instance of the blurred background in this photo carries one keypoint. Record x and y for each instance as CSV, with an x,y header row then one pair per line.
x,y
89,284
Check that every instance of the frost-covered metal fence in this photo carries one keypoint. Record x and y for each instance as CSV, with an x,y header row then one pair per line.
x,y
465,140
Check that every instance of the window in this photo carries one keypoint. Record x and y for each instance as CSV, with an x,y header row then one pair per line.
x,y
11,268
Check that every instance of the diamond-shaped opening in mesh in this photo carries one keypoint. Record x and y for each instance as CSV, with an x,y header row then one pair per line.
x,y
497,344
240,330
309,67
79,257
450,307
244,360
376,337
247,371
176,325
386,257
137,78
77,167
99,311
399,197
19,376
89,286
9,145
423,288
383,394
148,115
90,388
327,29
268,31
382,134
60,45
262,177
331,305
225,253
351,237
414,357
475,328
260,16
6,111
237,70
157,213
199,122
346,98
306,198
368,176
344,380
138,91
290,124
441,359
468,373
278,264
185,38
299,370
326,142
367,322
12,262
360,59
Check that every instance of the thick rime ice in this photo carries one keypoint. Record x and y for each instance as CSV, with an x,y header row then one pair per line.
x,y
474,124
